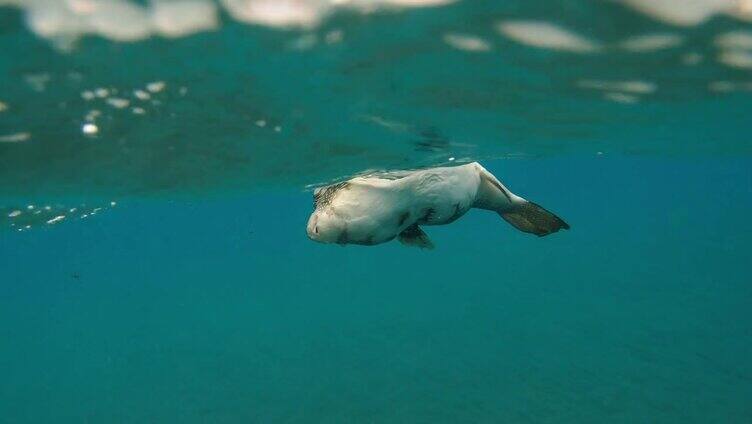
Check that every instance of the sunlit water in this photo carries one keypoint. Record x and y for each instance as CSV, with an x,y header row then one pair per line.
x,y
156,166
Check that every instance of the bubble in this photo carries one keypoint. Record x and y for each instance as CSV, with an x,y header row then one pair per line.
x,y
142,95
691,59
468,43
15,138
118,103
90,129
156,86
633,86
56,219
333,37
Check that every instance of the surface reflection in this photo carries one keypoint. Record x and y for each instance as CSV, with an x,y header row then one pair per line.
x,y
138,97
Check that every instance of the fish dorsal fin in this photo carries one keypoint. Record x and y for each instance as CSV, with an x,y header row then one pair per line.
x,y
414,236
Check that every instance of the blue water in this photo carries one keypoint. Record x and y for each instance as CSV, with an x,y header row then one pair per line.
x,y
155,267
223,311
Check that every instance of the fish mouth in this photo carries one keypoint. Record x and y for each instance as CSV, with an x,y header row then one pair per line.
x,y
312,229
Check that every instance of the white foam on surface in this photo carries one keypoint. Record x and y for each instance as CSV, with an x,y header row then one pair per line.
x,y
64,22
182,18
547,35
634,86
465,42
734,40
278,13
730,86
621,98
650,42
15,138
736,58
681,12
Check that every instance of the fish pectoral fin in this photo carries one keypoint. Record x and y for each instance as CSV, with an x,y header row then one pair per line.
x,y
414,236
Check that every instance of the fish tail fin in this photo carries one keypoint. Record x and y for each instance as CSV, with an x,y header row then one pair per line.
x,y
532,218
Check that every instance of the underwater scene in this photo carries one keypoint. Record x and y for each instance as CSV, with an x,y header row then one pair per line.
x,y
375,211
